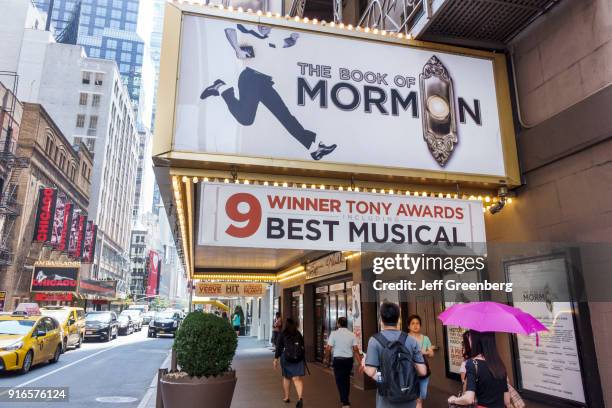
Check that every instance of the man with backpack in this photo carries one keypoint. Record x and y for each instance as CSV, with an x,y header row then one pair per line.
x,y
394,361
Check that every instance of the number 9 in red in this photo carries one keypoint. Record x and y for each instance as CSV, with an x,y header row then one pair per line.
x,y
252,217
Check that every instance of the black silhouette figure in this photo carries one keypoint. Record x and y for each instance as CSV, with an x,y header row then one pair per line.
x,y
255,87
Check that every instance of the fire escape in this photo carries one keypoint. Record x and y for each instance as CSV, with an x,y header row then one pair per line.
x,y
11,165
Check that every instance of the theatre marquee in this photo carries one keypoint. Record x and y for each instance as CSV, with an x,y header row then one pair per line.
x,y
259,91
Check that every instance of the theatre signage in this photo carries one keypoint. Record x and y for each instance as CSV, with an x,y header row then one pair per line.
x,y
259,90
55,279
236,215
214,289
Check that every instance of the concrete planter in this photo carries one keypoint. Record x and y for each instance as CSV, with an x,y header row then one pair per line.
x,y
197,392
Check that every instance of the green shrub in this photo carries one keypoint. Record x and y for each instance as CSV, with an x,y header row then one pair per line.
x,y
205,345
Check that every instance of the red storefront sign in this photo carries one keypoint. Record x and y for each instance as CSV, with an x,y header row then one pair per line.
x,y
45,214
53,297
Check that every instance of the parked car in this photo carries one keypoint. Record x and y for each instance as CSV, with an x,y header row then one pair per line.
x,y
101,325
166,322
146,317
72,323
28,339
126,324
136,317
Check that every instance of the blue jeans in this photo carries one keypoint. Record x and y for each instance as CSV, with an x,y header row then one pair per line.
x,y
423,383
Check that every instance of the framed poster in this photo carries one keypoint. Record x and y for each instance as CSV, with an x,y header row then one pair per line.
x,y
550,369
453,335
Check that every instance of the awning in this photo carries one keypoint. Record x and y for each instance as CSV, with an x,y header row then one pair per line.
x,y
214,303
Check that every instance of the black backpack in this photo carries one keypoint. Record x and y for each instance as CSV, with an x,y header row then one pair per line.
x,y
400,382
294,348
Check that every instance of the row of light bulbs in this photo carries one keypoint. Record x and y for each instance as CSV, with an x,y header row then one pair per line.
x,y
295,272
486,199
181,216
306,20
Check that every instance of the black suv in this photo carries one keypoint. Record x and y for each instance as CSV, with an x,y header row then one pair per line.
x,y
166,322
101,325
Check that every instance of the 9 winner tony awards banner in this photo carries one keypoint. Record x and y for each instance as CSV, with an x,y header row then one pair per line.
x,y
251,216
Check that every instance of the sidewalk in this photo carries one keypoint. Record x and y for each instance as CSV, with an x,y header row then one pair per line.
x,y
259,385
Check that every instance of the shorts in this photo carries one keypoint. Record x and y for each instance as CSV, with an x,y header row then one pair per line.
x,y
236,328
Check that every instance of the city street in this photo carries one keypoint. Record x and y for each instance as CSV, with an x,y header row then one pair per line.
x,y
113,374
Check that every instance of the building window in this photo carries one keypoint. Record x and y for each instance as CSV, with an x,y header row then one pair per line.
x,y
126,57
49,144
86,77
83,99
62,160
93,122
95,100
110,54
99,79
80,122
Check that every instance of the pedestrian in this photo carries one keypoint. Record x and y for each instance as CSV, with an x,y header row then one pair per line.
x,y
486,378
276,328
236,323
414,327
342,345
467,354
394,361
290,350
224,316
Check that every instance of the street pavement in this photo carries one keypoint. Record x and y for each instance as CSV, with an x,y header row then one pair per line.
x,y
114,374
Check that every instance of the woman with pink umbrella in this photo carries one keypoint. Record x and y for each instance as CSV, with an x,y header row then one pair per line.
x,y
486,378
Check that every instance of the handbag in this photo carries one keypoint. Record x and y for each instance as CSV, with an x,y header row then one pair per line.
x,y
475,403
426,363
516,401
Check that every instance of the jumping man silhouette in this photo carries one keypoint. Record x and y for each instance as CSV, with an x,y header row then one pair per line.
x,y
255,87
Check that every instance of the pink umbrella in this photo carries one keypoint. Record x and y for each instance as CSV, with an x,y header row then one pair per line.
x,y
491,317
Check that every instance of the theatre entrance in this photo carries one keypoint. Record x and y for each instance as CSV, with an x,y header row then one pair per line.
x,y
331,302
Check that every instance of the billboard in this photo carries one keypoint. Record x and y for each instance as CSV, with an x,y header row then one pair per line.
x,y
55,279
45,214
252,216
64,237
89,247
246,87
74,231
58,220
153,275
79,236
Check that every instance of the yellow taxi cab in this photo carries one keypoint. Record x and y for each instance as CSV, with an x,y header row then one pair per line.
x,y
28,338
72,321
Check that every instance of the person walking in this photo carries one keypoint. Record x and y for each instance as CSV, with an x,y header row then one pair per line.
x,y
276,328
486,376
394,361
236,323
291,353
342,345
414,326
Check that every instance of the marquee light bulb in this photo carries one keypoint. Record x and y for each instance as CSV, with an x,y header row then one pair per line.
x,y
240,9
285,184
357,189
509,200
350,27
266,183
226,181
276,184
315,21
296,18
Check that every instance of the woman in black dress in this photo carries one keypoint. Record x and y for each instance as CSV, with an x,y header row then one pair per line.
x,y
486,378
290,351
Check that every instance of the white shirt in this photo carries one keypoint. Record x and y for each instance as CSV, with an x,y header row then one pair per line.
x,y
342,342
